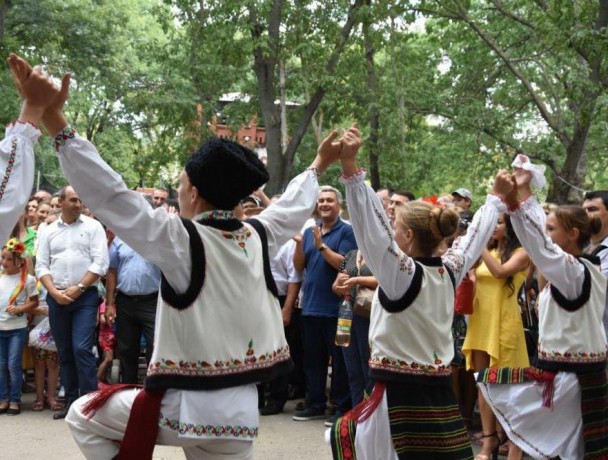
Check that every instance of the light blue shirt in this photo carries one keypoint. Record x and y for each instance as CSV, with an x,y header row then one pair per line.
x,y
134,274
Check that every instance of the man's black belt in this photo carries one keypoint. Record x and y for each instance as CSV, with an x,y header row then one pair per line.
x,y
139,298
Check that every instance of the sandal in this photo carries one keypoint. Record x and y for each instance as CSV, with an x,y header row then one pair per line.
x,y
38,405
494,454
54,405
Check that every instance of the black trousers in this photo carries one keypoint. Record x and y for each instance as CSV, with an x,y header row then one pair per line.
x,y
135,315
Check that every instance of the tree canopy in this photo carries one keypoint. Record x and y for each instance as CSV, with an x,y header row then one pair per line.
x,y
445,91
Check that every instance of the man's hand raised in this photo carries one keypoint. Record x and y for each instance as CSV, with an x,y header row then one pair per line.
x,y
327,153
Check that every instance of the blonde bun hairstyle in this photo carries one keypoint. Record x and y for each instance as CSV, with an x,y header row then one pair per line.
x,y
430,224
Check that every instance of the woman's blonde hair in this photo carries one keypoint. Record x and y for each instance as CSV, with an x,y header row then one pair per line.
x,y
430,224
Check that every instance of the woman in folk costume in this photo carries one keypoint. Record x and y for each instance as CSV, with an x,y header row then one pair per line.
x,y
559,407
218,327
412,411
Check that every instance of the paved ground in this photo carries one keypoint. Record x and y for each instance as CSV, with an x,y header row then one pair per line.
x,y
35,435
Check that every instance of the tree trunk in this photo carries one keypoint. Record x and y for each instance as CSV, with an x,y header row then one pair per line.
x,y
374,113
4,6
317,97
264,66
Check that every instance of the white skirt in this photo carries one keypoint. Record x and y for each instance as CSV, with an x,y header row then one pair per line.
x,y
539,431
373,439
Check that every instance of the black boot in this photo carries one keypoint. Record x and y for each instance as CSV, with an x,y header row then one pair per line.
x,y
63,412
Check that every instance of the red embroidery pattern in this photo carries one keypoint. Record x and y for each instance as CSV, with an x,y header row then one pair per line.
x,y
572,357
402,367
240,237
209,431
219,367
61,139
9,167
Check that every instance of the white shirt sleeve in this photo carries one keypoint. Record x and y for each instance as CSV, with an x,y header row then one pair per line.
x,y
561,269
17,169
156,235
99,251
468,248
284,219
392,268
43,255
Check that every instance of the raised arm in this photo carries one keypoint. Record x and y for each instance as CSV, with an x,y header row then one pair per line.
x,y
561,269
17,147
158,236
393,269
285,218
467,249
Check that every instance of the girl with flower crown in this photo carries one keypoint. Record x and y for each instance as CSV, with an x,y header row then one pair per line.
x,y
18,296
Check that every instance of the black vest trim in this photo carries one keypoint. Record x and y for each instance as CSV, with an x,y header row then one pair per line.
x,y
577,368
576,304
270,284
399,305
197,278
381,375
596,251
182,382
593,258
452,277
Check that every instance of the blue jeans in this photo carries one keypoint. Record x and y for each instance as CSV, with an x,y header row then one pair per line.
x,y
319,335
356,358
11,351
73,328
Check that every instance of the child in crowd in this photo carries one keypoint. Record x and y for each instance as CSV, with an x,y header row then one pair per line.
x,y
107,342
18,296
46,364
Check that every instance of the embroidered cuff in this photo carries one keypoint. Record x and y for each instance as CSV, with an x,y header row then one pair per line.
x,y
24,123
315,171
523,204
358,176
9,167
495,200
62,137
25,129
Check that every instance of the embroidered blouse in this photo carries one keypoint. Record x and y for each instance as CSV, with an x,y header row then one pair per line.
x,y
571,306
17,169
412,311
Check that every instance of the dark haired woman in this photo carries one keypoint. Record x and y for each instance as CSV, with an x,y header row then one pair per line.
x,y
558,408
495,334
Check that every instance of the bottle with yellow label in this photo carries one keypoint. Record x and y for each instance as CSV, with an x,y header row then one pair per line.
x,y
345,321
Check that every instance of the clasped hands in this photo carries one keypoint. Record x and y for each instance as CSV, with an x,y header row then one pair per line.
x,y
42,98
338,146
512,188
66,296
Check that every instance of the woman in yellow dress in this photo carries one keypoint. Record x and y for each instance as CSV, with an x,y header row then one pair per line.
x,y
495,334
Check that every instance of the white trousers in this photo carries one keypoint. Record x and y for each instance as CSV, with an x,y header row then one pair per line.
x,y
98,437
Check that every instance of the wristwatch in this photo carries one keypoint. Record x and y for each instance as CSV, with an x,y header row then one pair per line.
x,y
82,287
323,247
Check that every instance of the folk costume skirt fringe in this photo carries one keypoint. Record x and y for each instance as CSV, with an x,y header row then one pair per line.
x,y
403,421
550,414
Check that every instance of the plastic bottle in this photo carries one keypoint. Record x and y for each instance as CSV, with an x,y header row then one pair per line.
x,y
345,321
